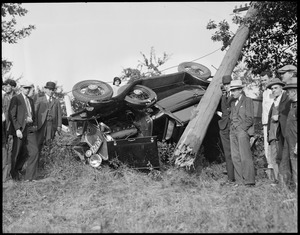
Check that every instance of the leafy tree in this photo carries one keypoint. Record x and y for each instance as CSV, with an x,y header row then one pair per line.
x,y
272,42
153,63
9,12
132,74
146,67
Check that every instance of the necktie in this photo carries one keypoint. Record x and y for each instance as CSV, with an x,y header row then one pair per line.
x,y
28,107
275,102
236,102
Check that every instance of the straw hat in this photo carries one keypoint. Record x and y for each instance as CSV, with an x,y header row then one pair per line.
x,y
234,84
26,83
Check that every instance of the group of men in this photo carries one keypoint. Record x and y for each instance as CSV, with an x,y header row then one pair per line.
x,y
29,121
279,120
280,125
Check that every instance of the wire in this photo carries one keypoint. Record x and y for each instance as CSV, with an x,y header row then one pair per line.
x,y
193,60
207,54
177,65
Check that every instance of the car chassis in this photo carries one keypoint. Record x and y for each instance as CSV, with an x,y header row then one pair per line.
x,y
127,126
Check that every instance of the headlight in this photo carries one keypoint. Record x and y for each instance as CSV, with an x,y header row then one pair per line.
x,y
95,160
170,129
88,153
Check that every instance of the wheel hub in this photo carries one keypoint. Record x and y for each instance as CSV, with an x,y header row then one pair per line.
x,y
92,87
93,90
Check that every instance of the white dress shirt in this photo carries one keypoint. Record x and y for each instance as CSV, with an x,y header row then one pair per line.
x,y
267,102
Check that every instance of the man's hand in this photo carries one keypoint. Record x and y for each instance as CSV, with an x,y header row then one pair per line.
x,y
3,117
29,120
19,134
274,118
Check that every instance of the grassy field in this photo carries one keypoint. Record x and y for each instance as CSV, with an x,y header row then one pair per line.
x,y
75,198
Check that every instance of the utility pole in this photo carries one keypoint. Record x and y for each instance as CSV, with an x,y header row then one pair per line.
x,y
191,139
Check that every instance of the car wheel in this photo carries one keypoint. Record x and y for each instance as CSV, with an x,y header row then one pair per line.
x,y
141,97
197,70
89,90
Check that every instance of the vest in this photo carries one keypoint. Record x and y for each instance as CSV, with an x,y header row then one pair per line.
x,y
235,119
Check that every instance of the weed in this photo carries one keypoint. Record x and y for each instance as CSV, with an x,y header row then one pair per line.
x,y
76,198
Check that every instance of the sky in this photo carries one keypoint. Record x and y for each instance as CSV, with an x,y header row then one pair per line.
x,y
97,40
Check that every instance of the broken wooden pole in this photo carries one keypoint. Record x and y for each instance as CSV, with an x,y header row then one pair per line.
x,y
191,139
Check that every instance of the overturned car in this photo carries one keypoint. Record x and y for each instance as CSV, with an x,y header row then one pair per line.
x,y
127,126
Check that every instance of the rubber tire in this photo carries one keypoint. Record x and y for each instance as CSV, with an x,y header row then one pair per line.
x,y
135,103
76,91
186,66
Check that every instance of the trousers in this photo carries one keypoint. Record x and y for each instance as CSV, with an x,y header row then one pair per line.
x,y
241,154
25,150
224,135
267,147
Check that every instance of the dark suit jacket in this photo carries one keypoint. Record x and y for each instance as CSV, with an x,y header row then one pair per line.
x,y
17,112
283,111
225,109
44,108
245,112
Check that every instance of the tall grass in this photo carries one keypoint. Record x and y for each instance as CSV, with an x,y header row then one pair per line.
x,y
75,198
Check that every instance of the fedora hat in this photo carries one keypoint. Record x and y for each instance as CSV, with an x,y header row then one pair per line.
x,y
10,82
26,83
287,68
234,84
275,81
292,83
226,79
50,85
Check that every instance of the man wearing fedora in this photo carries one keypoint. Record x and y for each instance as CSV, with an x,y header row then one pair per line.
x,y
224,125
287,72
23,129
241,128
277,123
49,115
267,101
290,152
